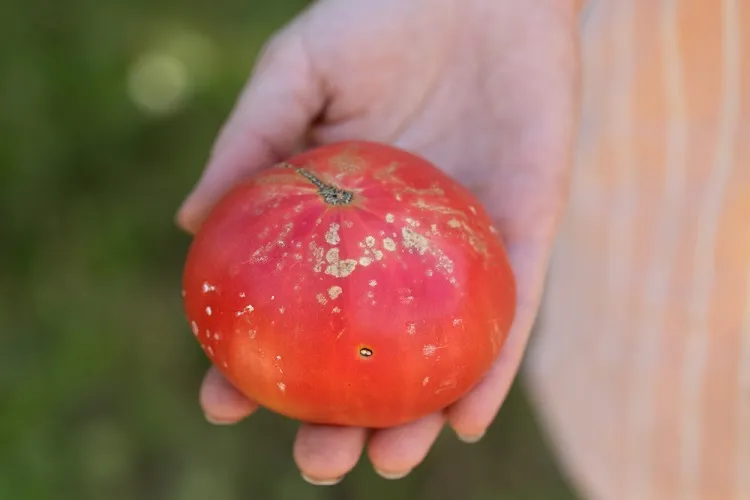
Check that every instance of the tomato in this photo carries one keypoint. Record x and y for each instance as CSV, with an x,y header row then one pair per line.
x,y
354,284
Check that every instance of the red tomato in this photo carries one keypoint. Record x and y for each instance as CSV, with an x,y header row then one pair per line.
x,y
354,284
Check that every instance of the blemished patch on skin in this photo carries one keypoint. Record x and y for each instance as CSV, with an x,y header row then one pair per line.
x,y
334,291
337,267
332,235
317,256
414,241
365,261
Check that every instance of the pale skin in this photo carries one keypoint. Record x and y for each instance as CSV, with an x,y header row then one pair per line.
x,y
488,90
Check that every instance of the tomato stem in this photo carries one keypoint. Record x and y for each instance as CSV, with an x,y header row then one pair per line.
x,y
331,194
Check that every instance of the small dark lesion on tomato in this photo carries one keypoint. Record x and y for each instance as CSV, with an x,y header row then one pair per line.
x,y
365,352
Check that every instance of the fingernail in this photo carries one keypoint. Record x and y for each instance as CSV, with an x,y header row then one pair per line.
x,y
470,438
321,482
392,475
215,421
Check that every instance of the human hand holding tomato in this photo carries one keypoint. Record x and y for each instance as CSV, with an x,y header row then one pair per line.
x,y
486,90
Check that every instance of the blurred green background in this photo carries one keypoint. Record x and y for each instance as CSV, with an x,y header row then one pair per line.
x,y
108,111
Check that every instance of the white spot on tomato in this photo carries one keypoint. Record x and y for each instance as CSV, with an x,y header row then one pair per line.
x,y
457,321
389,244
321,298
429,349
365,261
194,327
208,310
207,287
334,291
373,283
337,267
281,386
414,241
453,223
332,235
336,310
389,218
411,328
247,309
425,381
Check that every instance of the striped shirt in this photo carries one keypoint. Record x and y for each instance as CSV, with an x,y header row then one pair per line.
x,y
640,365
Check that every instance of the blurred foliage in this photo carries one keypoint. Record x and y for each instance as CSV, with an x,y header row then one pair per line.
x,y
108,111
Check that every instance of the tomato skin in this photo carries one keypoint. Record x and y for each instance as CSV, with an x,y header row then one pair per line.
x,y
354,284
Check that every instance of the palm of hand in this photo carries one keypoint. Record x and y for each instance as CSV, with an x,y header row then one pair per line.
x,y
486,90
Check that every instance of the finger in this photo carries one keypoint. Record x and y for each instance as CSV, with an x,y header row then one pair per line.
x,y
270,118
395,452
325,454
221,402
472,415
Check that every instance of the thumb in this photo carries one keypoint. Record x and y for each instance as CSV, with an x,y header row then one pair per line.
x,y
269,120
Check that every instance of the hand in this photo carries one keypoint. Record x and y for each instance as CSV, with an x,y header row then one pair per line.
x,y
486,89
